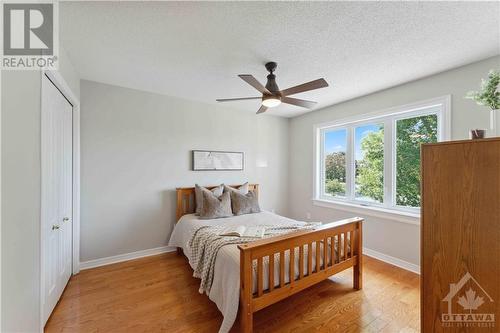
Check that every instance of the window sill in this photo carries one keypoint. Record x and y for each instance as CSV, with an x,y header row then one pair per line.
x,y
390,214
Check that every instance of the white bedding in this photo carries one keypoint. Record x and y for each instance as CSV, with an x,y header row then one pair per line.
x,y
226,284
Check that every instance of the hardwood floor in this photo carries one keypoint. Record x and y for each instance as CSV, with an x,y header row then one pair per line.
x,y
159,294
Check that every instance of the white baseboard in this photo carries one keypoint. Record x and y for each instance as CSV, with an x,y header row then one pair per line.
x,y
392,260
125,257
163,249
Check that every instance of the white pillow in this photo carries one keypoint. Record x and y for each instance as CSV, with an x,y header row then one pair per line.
x,y
198,194
242,189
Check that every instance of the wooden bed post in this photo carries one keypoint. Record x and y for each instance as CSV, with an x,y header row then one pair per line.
x,y
358,268
180,205
246,311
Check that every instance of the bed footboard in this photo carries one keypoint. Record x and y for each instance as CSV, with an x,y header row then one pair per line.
x,y
328,260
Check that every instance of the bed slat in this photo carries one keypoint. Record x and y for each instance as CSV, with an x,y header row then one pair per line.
x,y
301,261
345,245
309,258
325,252
282,269
318,255
332,250
260,277
271,272
291,266
350,244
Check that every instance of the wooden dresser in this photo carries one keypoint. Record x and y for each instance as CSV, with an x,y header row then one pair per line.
x,y
460,236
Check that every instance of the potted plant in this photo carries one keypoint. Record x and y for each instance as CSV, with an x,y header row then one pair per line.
x,y
489,96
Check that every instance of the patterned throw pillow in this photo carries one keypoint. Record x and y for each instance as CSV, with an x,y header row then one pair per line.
x,y
198,190
244,203
215,207
243,189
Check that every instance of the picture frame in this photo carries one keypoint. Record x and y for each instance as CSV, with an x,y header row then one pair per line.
x,y
215,160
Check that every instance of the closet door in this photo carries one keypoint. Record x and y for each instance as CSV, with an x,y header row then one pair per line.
x,y
57,200
66,198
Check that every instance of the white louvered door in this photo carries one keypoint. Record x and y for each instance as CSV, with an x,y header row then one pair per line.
x,y
56,226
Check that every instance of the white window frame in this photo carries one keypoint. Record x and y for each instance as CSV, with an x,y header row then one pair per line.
x,y
387,117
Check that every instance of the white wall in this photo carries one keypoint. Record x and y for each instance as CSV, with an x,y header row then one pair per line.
x,y
136,150
20,201
20,172
393,238
68,72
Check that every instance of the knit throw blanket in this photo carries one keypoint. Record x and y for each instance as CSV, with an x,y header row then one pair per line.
x,y
206,243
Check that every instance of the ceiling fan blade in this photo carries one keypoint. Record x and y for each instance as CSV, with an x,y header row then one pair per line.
x,y
316,84
236,99
254,83
299,102
262,109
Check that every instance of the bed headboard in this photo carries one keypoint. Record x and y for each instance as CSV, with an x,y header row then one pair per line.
x,y
186,204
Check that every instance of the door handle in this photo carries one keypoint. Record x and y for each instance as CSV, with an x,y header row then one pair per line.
x,y
66,219
55,227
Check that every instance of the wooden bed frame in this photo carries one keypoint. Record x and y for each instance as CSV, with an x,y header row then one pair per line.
x,y
336,261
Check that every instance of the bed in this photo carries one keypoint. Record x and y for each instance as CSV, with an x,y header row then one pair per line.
x,y
254,275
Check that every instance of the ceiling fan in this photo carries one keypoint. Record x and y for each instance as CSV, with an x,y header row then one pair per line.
x,y
272,96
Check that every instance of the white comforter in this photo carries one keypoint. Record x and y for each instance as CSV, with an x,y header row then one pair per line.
x,y
226,284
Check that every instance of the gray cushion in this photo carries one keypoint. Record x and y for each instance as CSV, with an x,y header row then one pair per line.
x,y
244,203
243,189
198,190
215,207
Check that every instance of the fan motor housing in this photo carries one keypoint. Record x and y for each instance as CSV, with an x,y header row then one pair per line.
x,y
271,85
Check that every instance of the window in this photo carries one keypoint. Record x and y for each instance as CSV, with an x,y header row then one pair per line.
x,y
369,162
375,160
410,133
334,162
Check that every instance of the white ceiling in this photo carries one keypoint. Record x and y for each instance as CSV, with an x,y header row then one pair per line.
x,y
195,50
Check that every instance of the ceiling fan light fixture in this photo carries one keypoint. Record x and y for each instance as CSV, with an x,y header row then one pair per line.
x,y
271,101
272,96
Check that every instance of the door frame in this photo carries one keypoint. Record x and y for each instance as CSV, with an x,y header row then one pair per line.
x,y
61,84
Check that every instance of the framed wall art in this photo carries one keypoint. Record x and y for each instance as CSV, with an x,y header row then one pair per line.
x,y
211,160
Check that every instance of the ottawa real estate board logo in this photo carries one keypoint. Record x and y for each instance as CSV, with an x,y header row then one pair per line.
x,y
468,305
30,36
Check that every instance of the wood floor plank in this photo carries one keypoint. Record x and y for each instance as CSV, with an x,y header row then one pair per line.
x,y
159,294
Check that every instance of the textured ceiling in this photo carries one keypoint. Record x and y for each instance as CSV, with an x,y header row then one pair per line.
x,y
195,50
